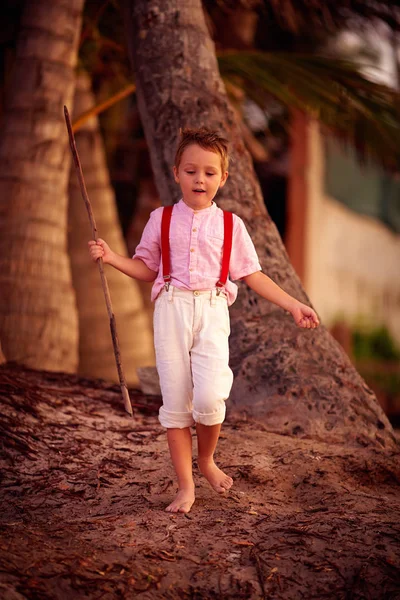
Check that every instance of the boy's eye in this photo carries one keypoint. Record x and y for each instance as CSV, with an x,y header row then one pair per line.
x,y
191,173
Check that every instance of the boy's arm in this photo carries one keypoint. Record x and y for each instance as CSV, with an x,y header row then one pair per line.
x,y
268,289
144,265
263,285
245,266
134,267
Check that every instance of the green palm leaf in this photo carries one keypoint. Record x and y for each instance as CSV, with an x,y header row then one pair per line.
x,y
353,108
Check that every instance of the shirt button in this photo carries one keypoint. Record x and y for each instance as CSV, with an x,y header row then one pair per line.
x,y
195,229
196,293
190,270
191,249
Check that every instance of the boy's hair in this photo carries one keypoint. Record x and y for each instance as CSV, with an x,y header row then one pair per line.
x,y
206,139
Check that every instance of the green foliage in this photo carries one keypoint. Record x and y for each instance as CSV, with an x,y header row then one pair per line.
x,y
305,17
102,49
359,112
376,343
387,382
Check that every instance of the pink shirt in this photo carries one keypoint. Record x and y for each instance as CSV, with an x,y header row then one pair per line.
x,y
196,241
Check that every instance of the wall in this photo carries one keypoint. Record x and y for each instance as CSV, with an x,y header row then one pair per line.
x,y
352,260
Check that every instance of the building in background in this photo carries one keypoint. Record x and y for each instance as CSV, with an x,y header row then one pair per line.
x,y
343,232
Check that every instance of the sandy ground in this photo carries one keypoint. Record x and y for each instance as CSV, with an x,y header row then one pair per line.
x,y
84,489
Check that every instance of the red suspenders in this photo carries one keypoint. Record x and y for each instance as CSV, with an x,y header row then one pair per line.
x,y
226,253
165,223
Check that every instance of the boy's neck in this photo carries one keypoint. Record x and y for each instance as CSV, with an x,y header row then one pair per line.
x,y
197,209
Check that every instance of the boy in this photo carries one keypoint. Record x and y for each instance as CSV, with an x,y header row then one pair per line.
x,y
191,318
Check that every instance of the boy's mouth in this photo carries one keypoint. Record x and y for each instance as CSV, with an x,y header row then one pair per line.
x,y
199,191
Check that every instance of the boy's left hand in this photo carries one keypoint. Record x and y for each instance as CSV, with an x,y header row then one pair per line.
x,y
304,316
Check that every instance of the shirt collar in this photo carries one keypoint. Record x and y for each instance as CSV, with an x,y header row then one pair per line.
x,y
185,208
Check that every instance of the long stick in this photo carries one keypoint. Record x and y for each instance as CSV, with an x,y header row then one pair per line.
x,y
113,327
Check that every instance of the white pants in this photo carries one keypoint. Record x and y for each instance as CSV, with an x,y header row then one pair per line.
x,y
191,330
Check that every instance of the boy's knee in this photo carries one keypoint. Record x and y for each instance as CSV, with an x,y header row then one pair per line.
x,y
209,395
170,419
207,410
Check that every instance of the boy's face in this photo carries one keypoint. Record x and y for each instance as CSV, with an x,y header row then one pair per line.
x,y
199,175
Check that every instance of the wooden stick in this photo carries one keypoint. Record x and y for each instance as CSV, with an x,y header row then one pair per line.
x,y
113,328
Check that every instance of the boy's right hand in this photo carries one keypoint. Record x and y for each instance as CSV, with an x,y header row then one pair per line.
x,y
100,249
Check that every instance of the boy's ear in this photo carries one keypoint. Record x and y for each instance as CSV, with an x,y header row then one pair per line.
x,y
223,179
176,177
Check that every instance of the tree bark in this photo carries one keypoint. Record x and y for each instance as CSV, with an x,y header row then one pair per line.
x,y
38,318
96,355
298,382
2,357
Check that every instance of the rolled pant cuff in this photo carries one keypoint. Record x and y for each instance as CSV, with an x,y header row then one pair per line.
x,y
175,419
214,418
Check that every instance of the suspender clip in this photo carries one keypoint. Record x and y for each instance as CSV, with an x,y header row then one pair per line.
x,y
167,281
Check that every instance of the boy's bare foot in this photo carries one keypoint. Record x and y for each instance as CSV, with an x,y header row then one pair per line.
x,y
215,477
183,501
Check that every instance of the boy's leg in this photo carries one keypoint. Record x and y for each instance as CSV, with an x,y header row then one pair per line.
x,y
173,317
173,338
207,439
212,380
180,447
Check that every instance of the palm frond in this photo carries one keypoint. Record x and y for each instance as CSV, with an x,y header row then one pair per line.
x,y
97,109
353,108
301,16
331,15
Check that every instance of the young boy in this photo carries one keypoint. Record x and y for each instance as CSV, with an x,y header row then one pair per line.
x,y
191,318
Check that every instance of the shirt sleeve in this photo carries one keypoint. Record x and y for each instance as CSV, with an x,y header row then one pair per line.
x,y
149,247
244,260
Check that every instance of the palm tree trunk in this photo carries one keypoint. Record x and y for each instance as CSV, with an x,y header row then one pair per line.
x,y
2,357
298,382
38,318
96,355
